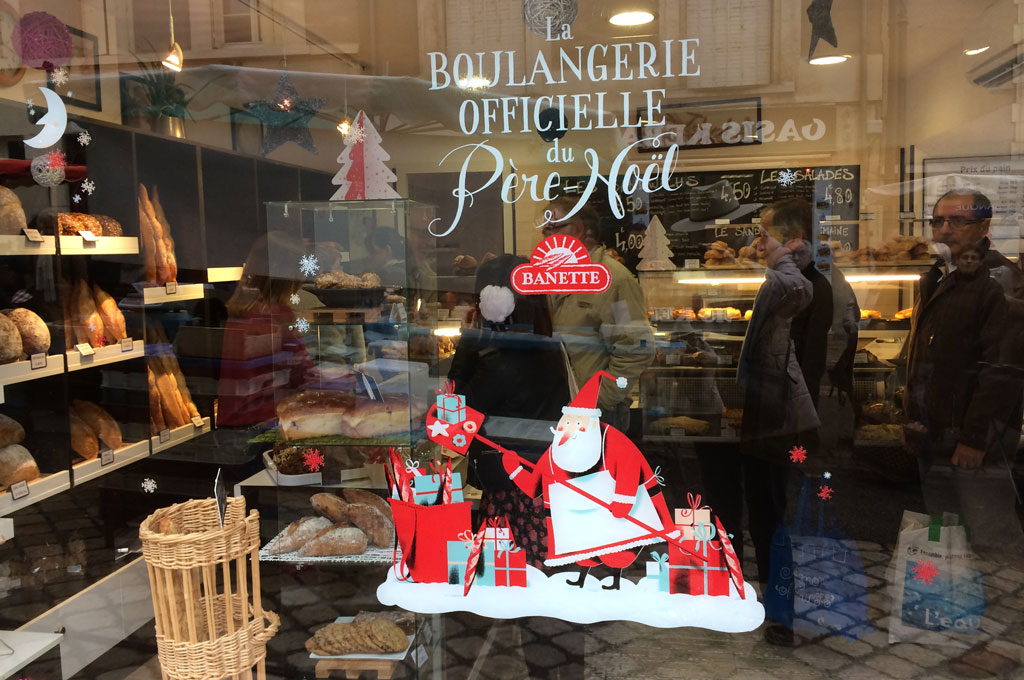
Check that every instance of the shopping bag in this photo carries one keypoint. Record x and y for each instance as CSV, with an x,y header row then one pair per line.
x,y
423,533
938,596
817,586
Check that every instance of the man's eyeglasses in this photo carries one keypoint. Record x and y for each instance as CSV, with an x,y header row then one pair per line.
x,y
954,221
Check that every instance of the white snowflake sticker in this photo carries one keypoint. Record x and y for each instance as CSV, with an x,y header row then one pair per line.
x,y
356,134
787,178
149,485
308,265
59,76
84,138
827,475
77,198
294,299
301,325
88,186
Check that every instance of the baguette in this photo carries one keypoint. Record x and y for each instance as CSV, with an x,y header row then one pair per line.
x,y
101,422
160,248
83,439
85,311
174,410
165,228
148,244
113,319
337,541
298,533
156,414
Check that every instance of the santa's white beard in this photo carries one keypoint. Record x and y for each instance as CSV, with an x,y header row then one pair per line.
x,y
579,453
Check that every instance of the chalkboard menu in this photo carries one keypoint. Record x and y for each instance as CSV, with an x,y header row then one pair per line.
x,y
690,212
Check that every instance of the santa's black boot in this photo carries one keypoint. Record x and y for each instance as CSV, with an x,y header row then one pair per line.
x,y
616,576
582,579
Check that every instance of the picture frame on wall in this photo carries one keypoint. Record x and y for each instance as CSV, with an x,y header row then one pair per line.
x,y
703,125
83,72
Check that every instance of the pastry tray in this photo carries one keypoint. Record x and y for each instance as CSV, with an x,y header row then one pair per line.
x,y
282,479
396,656
373,555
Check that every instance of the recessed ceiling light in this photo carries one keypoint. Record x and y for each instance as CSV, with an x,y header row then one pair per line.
x,y
827,61
631,18
977,50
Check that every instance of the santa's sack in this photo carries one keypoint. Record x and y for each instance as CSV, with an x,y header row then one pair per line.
x,y
938,596
818,586
423,532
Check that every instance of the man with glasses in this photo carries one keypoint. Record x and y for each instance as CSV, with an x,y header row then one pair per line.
x,y
605,331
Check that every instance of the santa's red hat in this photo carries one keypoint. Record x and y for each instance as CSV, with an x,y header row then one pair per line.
x,y
585,403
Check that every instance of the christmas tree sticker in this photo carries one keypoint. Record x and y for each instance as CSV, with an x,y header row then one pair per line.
x,y
656,253
364,172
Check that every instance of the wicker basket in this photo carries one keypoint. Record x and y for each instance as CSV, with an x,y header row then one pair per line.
x,y
207,627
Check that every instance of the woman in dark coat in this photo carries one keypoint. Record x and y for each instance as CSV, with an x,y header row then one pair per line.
x,y
510,369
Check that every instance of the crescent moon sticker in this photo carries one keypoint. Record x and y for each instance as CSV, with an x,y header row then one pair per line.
x,y
54,122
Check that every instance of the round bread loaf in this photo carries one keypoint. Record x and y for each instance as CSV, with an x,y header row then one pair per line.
x,y
11,431
10,341
35,336
12,216
16,465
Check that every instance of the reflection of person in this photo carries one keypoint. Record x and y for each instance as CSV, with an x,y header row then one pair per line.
x,y
510,369
259,326
340,343
959,399
602,461
386,257
605,331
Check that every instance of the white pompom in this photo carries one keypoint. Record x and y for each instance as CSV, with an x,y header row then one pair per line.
x,y
496,303
621,382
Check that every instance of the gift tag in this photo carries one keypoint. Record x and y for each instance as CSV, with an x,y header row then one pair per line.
x,y
33,235
106,457
85,349
171,287
87,236
38,360
197,421
19,490
127,345
420,656
165,435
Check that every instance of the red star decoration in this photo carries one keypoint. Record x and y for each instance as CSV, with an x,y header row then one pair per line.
x,y
925,572
825,493
313,460
798,454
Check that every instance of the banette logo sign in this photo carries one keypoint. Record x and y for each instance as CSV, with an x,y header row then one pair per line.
x,y
560,264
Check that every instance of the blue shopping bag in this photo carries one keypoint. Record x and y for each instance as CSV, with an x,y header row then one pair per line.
x,y
817,584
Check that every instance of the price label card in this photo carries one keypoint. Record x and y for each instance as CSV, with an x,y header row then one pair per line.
x,y
33,235
19,490
127,345
88,236
165,435
85,349
198,422
171,287
867,217
38,360
106,457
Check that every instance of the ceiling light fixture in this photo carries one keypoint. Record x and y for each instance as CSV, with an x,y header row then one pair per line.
x,y
632,18
474,83
344,126
828,61
174,59
977,50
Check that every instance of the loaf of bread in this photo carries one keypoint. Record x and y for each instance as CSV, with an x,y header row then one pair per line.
x,y
330,506
376,418
83,440
368,498
83,308
10,341
99,421
113,319
165,233
146,240
313,414
298,534
16,465
35,336
156,241
156,414
12,216
11,431
109,226
336,541
378,528
74,223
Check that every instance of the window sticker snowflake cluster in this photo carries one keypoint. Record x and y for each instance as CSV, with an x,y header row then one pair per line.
x,y
149,485
313,460
77,198
309,265
798,454
295,299
31,106
787,178
301,325
356,134
925,572
84,138
88,186
825,493
59,76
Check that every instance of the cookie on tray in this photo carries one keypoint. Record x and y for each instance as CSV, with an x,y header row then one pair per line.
x,y
388,636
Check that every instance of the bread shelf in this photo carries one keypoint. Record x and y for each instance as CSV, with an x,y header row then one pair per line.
x,y
38,489
20,245
185,291
179,435
91,469
27,648
103,245
21,371
105,355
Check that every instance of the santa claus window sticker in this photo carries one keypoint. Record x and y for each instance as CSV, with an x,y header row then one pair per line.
x,y
604,508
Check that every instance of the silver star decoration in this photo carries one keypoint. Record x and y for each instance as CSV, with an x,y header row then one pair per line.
x,y
286,116
820,14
